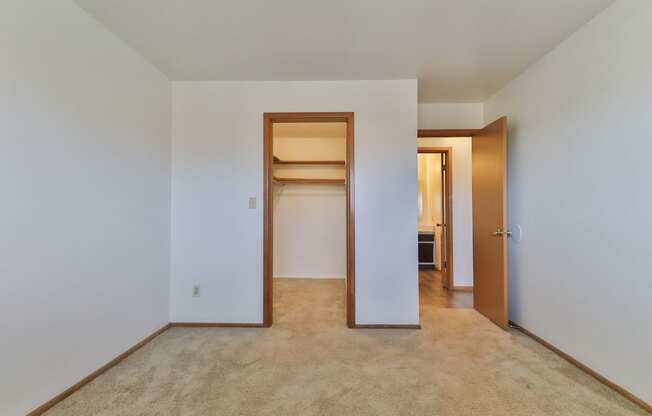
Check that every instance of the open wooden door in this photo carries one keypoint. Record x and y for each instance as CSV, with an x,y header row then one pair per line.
x,y
490,231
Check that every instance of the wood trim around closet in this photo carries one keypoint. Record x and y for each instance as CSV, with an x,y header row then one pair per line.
x,y
268,227
447,132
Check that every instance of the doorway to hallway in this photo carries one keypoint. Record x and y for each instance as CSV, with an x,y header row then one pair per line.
x,y
485,252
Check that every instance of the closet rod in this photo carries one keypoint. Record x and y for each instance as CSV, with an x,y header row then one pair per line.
x,y
309,181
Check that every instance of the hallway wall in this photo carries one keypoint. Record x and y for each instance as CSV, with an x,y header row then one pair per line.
x,y
450,115
579,170
430,189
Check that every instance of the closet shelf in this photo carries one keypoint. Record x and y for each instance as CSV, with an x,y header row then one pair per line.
x,y
278,161
309,181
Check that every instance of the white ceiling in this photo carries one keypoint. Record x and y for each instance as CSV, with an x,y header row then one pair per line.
x,y
459,50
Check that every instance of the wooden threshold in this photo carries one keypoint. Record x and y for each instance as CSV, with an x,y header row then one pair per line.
x,y
463,288
70,390
308,181
602,379
278,161
447,132
386,326
215,325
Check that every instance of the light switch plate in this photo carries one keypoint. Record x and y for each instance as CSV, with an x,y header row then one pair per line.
x,y
252,202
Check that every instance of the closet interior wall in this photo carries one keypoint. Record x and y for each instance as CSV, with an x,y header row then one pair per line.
x,y
309,200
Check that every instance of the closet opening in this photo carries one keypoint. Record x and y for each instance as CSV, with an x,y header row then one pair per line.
x,y
308,246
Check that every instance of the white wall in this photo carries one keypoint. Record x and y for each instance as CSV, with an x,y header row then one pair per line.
x,y
450,116
310,231
84,182
217,166
462,205
430,189
430,199
579,173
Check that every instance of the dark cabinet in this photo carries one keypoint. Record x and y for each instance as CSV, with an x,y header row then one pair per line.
x,y
426,250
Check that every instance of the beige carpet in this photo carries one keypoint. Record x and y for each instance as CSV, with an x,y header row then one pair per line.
x,y
309,363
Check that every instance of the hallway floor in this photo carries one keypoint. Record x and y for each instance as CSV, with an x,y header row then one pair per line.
x,y
309,363
432,294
